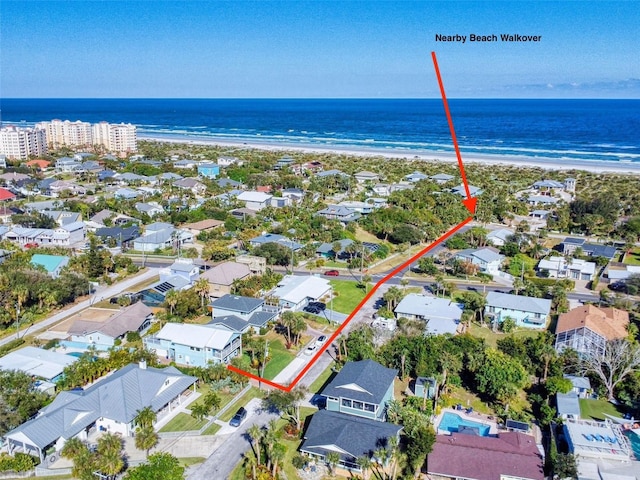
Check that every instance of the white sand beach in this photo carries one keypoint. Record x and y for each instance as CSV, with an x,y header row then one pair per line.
x,y
505,160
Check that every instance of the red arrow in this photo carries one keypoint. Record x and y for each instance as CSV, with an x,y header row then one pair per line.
x,y
469,202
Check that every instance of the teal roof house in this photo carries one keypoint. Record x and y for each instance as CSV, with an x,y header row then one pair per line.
x,y
53,264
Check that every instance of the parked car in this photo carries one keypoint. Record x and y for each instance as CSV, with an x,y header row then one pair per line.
x,y
239,417
321,339
312,309
319,305
332,273
311,349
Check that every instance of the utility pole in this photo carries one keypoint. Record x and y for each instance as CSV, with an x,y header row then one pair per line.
x,y
264,361
17,320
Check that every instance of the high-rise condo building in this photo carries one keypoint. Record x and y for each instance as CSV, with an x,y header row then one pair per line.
x,y
67,134
18,143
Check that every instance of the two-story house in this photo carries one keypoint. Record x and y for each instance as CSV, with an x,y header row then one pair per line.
x,y
195,345
529,312
487,259
208,170
295,292
559,267
587,329
242,313
222,276
255,200
338,212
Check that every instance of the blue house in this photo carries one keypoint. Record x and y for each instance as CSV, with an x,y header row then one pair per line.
x,y
529,312
195,345
53,264
362,389
241,313
208,170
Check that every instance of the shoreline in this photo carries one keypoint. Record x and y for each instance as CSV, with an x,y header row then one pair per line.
x,y
593,166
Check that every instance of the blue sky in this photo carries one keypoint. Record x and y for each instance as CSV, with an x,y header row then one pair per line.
x,y
371,49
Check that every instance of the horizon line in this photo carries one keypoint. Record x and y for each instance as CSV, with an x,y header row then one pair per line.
x,y
318,98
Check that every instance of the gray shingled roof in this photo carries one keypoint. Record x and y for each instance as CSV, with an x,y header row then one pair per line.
x,y
355,435
365,374
237,303
117,397
233,323
568,404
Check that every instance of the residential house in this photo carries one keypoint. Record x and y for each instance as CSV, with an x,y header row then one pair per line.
x,y
581,386
255,200
487,259
169,177
154,295
227,161
182,267
326,249
577,269
106,176
195,345
280,202
59,186
62,217
222,276
381,189
152,208
542,200
126,194
588,328
364,176
228,183
441,178
207,225
185,164
570,244
159,235
541,214
40,207
510,455
6,195
361,389
350,436
275,238
331,173
108,405
191,184
295,292
208,170
11,178
128,178
597,442
42,364
254,312
461,190
66,164
568,405
340,213
284,162
64,236
548,185
440,314
529,312
53,264
359,207
257,265
415,177
122,236
500,236
295,195
134,318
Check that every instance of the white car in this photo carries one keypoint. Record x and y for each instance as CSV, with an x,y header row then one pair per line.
x,y
320,340
311,349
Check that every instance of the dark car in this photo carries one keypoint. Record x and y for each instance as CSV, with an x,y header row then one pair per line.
x,y
312,309
319,305
332,273
239,417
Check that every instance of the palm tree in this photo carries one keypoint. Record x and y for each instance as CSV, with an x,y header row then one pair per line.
x,y
255,436
202,287
171,300
145,417
109,458
250,463
277,455
271,436
287,319
332,460
394,453
146,439
365,464
393,297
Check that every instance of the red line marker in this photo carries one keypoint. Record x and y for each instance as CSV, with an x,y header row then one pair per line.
x,y
386,278
469,202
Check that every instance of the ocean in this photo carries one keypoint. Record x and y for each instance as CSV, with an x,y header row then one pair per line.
x,y
575,130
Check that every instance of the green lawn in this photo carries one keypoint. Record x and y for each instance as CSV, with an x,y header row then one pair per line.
x,y
324,378
595,409
204,388
348,296
188,461
633,258
183,422
250,395
280,358
212,429
492,337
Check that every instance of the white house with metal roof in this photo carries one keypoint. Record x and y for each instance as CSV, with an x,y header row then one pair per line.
x,y
440,314
295,292
487,259
38,362
529,312
575,268
255,200
109,405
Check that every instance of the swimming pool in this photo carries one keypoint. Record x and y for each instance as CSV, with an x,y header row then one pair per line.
x,y
75,354
452,422
634,440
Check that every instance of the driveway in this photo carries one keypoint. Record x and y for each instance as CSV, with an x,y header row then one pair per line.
x,y
224,459
332,316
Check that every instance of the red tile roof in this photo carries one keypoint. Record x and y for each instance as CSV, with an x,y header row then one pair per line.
x,y
486,458
6,194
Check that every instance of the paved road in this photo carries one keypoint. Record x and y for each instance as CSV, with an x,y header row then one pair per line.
x,y
223,460
78,307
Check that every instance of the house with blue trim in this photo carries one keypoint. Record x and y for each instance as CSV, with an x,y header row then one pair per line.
x,y
528,312
362,389
53,264
242,313
195,345
208,170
